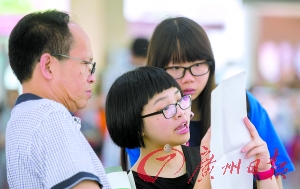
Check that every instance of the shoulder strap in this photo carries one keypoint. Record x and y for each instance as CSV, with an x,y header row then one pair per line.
x,y
193,160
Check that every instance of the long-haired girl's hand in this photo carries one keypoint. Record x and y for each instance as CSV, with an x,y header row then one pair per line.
x,y
257,147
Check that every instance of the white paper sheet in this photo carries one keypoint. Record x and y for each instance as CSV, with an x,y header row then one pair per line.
x,y
229,135
131,180
119,180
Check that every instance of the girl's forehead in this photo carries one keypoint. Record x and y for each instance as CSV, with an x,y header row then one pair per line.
x,y
164,95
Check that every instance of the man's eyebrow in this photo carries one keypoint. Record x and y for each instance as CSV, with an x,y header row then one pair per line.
x,y
162,98
89,61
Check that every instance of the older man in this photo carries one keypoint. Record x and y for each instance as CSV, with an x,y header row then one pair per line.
x,y
52,58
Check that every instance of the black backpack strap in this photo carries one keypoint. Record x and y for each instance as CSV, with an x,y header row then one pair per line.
x,y
193,160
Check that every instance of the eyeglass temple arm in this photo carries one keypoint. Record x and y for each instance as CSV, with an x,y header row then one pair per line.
x,y
155,113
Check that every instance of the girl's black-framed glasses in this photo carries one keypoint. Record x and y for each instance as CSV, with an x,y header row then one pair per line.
x,y
170,110
197,69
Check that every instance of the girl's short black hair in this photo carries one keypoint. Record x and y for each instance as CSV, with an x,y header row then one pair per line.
x,y
126,99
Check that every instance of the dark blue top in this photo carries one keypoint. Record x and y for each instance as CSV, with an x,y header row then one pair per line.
x,y
260,119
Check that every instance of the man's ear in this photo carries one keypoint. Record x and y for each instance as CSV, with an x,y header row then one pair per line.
x,y
46,61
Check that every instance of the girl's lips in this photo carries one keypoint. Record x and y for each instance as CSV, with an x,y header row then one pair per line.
x,y
182,129
188,91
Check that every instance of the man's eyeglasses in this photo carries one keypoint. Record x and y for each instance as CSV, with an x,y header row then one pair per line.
x,y
171,110
92,65
199,69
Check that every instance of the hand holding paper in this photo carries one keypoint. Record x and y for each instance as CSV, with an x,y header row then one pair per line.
x,y
229,135
235,141
257,147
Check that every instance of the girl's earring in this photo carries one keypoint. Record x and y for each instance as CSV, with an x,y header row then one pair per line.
x,y
167,148
192,115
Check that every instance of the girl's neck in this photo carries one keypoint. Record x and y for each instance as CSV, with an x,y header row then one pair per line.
x,y
159,150
195,110
155,160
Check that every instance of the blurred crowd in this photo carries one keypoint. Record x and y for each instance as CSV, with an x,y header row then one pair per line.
x,y
6,107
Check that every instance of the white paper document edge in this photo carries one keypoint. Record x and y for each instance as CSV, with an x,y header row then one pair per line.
x,y
118,180
229,135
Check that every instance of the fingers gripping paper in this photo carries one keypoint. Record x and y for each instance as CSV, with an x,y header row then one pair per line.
x,y
229,135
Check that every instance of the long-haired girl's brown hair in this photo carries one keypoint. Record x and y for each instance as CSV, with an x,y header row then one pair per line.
x,y
180,40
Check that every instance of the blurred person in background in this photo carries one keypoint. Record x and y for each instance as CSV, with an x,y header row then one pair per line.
x,y
182,48
138,52
53,60
118,64
294,146
9,102
3,179
123,60
295,155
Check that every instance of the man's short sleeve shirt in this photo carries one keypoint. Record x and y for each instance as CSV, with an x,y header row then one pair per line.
x,y
46,149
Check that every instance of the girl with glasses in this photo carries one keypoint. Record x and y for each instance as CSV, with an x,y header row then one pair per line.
x,y
145,108
181,47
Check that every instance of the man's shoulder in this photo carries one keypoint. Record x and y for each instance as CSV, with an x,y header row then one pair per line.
x,y
41,107
42,102
33,114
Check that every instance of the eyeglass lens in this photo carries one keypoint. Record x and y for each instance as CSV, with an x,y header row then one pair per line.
x,y
197,70
184,103
93,68
90,67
